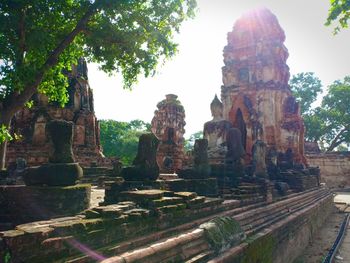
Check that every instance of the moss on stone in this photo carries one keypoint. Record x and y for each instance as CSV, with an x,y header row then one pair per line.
x,y
186,195
60,188
166,201
93,224
260,249
53,174
222,233
299,260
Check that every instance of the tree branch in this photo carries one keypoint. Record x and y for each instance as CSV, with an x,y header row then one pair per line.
x,y
337,141
17,100
21,36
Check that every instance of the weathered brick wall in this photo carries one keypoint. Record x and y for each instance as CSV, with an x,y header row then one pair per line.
x,y
20,204
335,168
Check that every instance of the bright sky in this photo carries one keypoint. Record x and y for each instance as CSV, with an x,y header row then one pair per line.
x,y
194,74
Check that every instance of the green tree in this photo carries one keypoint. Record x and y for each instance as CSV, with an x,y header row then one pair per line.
x,y
189,143
342,148
121,138
315,127
339,12
329,124
305,87
40,39
335,113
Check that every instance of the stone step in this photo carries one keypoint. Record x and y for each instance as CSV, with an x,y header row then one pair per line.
x,y
245,196
167,177
282,214
186,195
249,187
195,201
286,228
170,208
245,184
208,202
189,246
252,200
165,201
251,216
244,191
152,194
262,219
201,258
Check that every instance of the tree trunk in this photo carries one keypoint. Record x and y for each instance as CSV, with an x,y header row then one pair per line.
x,y
15,101
5,119
338,139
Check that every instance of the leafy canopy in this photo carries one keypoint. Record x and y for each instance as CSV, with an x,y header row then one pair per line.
x,y
335,113
121,138
189,143
40,37
305,87
329,124
339,12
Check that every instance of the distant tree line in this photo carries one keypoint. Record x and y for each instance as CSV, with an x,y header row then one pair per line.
x,y
121,138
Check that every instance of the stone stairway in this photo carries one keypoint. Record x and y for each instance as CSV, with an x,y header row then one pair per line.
x,y
246,192
192,246
253,221
163,232
261,218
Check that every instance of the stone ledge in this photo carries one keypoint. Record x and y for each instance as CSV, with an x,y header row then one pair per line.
x,y
22,204
280,242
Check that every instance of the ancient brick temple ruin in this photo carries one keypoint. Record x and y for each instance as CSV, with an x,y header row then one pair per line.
x,y
255,94
248,195
31,123
168,125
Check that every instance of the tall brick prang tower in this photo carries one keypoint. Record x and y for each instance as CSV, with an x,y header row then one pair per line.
x,y
255,93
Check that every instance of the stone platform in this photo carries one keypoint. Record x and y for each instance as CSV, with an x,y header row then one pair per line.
x,y
20,204
276,233
127,232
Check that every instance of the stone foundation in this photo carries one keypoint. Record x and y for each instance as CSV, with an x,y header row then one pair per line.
x,y
101,231
335,168
126,233
20,204
283,241
207,187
